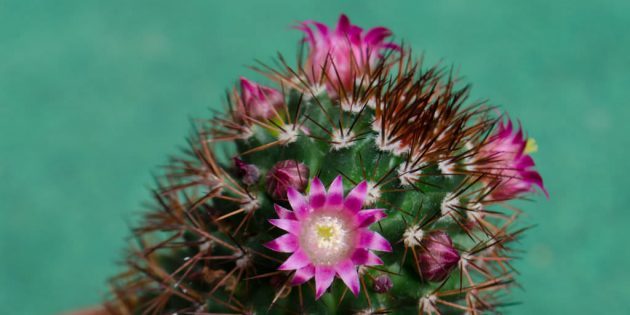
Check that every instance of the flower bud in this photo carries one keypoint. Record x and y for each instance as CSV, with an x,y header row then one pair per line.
x,y
437,257
509,151
344,53
260,102
248,173
285,174
383,284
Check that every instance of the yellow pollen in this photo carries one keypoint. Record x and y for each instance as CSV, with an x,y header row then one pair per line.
x,y
329,233
325,232
531,146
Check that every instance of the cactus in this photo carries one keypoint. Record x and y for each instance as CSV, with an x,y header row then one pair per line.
x,y
359,181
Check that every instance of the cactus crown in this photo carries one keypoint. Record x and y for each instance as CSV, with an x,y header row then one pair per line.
x,y
361,182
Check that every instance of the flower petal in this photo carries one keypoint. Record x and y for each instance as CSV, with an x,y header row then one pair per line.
x,y
284,213
334,198
287,243
365,218
373,240
303,274
298,260
290,226
317,194
324,277
366,258
298,202
343,25
347,271
376,35
354,200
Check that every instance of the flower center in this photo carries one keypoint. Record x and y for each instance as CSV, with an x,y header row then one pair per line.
x,y
326,239
330,232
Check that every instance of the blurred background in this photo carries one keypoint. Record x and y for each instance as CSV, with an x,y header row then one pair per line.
x,y
94,95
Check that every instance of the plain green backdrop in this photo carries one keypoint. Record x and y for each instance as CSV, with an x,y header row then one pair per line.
x,y
95,94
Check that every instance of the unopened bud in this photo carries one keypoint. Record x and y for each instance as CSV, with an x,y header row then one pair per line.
x,y
285,174
383,284
248,173
438,257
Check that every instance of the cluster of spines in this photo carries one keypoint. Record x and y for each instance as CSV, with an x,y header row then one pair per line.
x,y
402,128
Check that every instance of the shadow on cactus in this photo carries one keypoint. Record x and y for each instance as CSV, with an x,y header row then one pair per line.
x,y
358,181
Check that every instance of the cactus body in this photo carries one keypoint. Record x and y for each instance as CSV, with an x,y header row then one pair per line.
x,y
359,182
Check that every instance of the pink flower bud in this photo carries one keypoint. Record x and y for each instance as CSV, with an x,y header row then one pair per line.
x,y
260,102
437,257
383,284
248,173
285,174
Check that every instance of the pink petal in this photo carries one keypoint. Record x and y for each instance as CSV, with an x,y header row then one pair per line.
x,y
247,87
391,46
287,243
322,29
290,226
303,274
343,25
298,202
525,162
347,271
324,277
309,36
376,35
354,200
272,95
373,240
284,213
317,194
335,193
298,260
365,218
366,258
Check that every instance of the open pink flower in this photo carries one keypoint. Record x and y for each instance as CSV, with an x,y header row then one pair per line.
x,y
260,102
507,148
344,53
328,235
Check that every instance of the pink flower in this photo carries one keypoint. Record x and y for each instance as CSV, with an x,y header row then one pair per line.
x,y
260,102
437,257
328,235
344,53
285,174
507,149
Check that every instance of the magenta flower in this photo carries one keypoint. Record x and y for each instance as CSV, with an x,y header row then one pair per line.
x,y
260,102
437,257
344,53
285,174
507,148
328,235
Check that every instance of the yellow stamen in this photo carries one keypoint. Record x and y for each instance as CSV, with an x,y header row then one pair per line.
x,y
325,232
531,146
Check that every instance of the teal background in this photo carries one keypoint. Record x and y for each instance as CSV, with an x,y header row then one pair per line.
x,y
95,94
